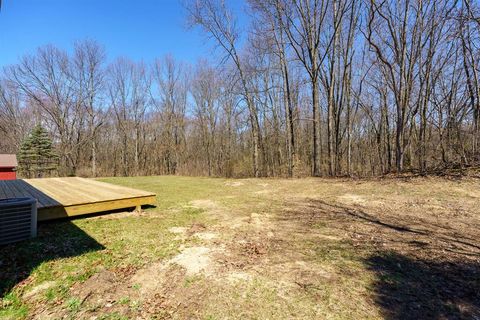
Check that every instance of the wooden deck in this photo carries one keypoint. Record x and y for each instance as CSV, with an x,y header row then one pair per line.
x,y
66,197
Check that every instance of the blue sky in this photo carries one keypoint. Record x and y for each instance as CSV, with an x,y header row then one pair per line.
x,y
138,29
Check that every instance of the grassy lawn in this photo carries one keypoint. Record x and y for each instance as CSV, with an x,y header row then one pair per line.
x,y
258,249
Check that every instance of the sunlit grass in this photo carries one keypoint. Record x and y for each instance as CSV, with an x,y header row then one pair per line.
x,y
80,248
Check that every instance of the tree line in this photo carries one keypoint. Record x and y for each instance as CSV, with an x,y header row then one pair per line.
x,y
308,87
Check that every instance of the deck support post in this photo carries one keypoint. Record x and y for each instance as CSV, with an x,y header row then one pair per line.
x,y
138,208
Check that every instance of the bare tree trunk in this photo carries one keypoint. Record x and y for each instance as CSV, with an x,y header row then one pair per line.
x,y
315,130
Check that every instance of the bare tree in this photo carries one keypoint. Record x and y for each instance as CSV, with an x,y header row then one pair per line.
x,y
219,22
128,90
89,58
15,121
390,86
47,79
170,99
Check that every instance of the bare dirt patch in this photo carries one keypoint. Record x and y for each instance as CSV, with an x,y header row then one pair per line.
x,y
352,199
195,260
206,204
260,220
97,286
37,290
234,183
238,276
428,256
149,279
177,230
206,235
196,228
303,249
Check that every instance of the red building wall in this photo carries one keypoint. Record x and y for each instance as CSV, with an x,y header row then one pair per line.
x,y
7,174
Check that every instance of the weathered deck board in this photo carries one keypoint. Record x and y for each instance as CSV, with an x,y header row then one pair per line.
x,y
65,197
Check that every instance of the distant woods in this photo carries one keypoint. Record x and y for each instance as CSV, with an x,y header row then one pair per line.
x,y
314,87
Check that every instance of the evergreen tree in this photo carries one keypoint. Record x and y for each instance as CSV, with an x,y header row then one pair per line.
x,y
37,157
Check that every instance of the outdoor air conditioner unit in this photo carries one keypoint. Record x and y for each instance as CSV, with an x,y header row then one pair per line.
x,y
18,219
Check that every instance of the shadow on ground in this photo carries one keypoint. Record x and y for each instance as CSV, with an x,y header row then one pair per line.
x,y
407,288
55,240
423,267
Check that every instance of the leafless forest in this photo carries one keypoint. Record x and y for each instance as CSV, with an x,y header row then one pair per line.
x,y
309,87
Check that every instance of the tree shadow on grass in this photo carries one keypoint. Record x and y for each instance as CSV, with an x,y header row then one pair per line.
x,y
408,288
55,240
423,267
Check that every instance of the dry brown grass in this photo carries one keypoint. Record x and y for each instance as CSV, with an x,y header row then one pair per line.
x,y
273,249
